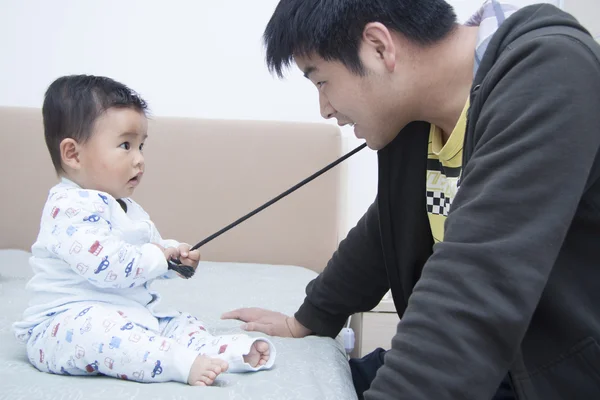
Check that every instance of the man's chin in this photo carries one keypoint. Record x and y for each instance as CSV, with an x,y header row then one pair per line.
x,y
374,147
372,144
379,142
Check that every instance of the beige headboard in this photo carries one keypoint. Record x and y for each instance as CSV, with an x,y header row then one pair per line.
x,y
200,176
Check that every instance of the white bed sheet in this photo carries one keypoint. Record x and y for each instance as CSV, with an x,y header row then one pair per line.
x,y
309,368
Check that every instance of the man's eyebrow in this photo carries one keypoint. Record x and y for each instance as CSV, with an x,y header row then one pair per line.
x,y
309,70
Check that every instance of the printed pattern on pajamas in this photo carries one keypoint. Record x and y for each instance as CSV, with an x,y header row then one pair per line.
x,y
100,339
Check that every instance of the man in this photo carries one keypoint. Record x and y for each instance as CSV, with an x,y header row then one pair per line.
x,y
487,217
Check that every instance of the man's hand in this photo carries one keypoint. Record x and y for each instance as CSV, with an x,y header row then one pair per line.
x,y
270,322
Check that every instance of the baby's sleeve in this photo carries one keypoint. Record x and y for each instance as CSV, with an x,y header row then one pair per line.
x,y
137,212
168,243
82,236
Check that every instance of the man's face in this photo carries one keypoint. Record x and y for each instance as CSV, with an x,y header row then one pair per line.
x,y
369,102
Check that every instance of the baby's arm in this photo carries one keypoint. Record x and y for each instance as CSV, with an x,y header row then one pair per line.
x,y
82,236
170,247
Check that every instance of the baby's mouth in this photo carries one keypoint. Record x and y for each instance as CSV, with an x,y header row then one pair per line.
x,y
136,179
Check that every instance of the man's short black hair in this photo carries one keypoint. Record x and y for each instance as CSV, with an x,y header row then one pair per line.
x,y
73,103
333,28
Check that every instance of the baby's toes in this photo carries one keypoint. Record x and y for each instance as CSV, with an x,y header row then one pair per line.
x,y
264,358
219,366
211,375
262,347
206,380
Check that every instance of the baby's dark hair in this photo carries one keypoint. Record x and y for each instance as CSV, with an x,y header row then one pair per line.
x,y
73,103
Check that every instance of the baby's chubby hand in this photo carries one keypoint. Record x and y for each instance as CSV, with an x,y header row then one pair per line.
x,y
187,257
169,252
183,253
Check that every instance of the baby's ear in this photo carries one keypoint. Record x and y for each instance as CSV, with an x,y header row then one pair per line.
x,y
69,153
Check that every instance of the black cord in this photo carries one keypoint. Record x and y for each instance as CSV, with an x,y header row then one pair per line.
x,y
187,271
281,196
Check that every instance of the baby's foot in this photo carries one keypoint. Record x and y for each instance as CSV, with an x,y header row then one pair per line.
x,y
205,370
258,355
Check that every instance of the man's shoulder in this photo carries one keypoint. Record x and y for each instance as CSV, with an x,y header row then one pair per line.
x,y
536,34
557,37
552,48
545,52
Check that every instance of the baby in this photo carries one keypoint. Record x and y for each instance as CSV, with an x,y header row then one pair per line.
x,y
93,311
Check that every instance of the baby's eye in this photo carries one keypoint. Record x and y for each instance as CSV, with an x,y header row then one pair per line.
x,y
142,147
125,146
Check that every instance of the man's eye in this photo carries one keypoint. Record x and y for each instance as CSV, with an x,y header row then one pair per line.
x,y
321,83
125,146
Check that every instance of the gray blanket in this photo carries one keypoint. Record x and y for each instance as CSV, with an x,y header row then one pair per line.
x,y
309,368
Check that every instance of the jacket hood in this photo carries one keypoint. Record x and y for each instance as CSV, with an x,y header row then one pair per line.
x,y
523,21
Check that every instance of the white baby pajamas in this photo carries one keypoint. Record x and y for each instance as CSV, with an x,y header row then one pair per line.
x,y
92,309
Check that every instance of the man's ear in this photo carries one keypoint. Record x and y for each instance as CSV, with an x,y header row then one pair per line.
x,y
378,39
69,153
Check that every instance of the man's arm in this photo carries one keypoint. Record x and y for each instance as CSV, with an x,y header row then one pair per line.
x,y
537,140
354,280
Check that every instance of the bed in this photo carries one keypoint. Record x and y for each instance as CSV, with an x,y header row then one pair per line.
x,y
201,175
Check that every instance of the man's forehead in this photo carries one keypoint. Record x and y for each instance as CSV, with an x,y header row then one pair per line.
x,y
308,64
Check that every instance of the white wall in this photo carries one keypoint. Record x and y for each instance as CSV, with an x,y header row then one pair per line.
x,y
199,58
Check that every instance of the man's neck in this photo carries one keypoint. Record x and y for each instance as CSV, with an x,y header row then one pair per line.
x,y
449,79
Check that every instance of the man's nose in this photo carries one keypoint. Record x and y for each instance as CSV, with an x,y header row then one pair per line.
x,y
327,111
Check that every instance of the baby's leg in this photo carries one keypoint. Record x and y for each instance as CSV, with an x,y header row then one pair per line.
x,y
242,352
96,340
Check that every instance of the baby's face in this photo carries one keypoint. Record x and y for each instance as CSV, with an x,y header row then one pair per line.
x,y
112,160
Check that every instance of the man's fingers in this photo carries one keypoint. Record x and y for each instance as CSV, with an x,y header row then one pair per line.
x,y
257,327
234,314
243,314
260,320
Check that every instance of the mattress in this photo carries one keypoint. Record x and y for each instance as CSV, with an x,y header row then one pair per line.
x,y
308,368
